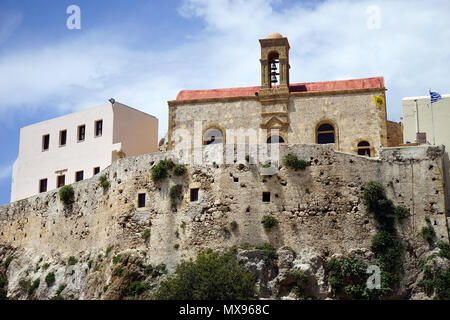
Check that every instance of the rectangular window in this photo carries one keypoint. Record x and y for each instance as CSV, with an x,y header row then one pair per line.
x,y
81,132
60,181
98,128
96,170
62,138
45,142
266,197
141,200
43,185
194,194
79,176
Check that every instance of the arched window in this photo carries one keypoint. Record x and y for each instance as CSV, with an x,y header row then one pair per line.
x,y
212,136
325,134
275,139
364,148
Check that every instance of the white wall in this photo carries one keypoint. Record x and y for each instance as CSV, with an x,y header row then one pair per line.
x,y
33,164
441,133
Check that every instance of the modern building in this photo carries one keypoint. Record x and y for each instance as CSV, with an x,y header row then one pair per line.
x,y
351,114
432,122
77,146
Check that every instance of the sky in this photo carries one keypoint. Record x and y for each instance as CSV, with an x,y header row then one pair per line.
x,y
143,52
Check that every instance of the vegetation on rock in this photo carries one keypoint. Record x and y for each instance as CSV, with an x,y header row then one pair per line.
x,y
66,194
211,276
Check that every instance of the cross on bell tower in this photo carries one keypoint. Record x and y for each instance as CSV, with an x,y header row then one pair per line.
x,y
274,93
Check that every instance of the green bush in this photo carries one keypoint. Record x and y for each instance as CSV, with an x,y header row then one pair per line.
x,y
50,279
159,171
104,181
291,160
136,288
148,269
437,280
105,288
210,277
428,234
45,266
66,194
179,170
373,192
233,225
401,213
72,260
176,246
119,271
34,286
8,261
175,194
117,259
269,222
269,252
354,268
300,276
445,249
108,250
146,234
60,289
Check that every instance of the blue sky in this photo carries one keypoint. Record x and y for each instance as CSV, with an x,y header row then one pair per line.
x,y
143,52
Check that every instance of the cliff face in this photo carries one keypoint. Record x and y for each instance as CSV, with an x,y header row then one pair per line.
x,y
320,214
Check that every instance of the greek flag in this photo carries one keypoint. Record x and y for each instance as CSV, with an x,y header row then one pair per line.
x,y
435,96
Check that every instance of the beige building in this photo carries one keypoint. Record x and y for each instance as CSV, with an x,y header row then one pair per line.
x,y
77,146
341,112
439,135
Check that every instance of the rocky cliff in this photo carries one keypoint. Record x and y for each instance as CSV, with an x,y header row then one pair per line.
x,y
101,243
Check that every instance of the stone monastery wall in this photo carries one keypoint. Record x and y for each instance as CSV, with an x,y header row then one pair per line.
x,y
319,208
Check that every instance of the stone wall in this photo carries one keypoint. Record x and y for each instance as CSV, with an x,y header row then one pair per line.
x,y
319,209
353,115
394,133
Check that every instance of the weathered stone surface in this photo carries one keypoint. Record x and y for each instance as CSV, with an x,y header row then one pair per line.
x,y
320,213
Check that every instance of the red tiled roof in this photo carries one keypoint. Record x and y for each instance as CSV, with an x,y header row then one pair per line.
x,y
377,82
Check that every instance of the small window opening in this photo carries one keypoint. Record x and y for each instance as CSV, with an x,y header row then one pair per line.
x,y
98,128
61,181
96,170
45,142
43,185
141,200
62,138
266,197
81,133
194,194
364,148
79,176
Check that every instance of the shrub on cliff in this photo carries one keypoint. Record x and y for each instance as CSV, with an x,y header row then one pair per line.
x,y
179,170
175,194
159,171
66,194
210,277
428,234
50,279
269,222
104,182
291,160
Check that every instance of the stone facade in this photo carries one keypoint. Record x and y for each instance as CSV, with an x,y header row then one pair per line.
x,y
394,133
296,111
319,209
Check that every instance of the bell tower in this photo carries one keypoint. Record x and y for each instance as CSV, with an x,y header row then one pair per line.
x,y
274,93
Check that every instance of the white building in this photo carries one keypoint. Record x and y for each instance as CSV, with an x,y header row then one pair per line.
x,y
77,146
417,117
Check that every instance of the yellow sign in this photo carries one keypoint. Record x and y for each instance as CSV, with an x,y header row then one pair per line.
x,y
379,101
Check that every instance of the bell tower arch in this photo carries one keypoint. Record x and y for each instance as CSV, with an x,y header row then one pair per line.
x,y
274,93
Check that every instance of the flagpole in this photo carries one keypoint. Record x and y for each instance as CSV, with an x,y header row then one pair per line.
x,y
417,118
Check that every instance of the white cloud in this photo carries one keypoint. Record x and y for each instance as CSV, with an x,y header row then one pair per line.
x,y
5,171
329,41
